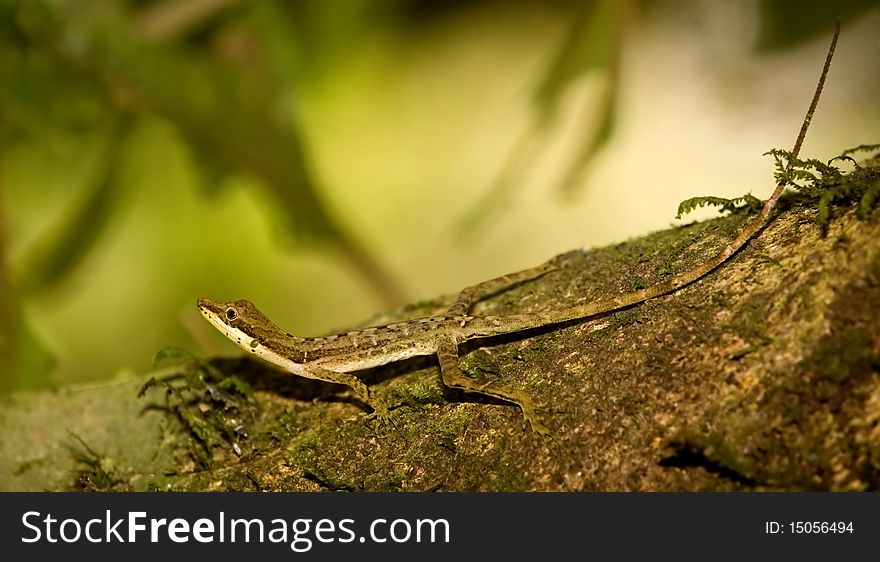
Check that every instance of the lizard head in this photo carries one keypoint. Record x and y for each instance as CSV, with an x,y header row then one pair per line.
x,y
238,320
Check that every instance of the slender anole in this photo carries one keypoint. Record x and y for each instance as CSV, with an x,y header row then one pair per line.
x,y
333,358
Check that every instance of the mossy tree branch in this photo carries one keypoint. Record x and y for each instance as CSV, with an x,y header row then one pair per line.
x,y
763,375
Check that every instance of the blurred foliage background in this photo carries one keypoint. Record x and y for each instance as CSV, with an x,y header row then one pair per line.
x,y
330,160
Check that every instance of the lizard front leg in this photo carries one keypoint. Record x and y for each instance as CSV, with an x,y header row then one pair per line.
x,y
360,389
450,371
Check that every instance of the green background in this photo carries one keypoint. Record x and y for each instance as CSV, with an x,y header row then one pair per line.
x,y
334,160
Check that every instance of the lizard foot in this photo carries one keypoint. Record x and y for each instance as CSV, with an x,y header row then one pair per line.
x,y
536,426
381,414
533,420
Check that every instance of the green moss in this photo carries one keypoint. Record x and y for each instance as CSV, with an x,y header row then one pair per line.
x,y
284,428
720,299
306,455
637,284
480,364
873,271
236,385
750,323
213,409
844,354
447,441
416,394
506,479
100,472
623,317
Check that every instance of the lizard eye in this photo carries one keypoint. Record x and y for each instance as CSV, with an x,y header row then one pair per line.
x,y
231,313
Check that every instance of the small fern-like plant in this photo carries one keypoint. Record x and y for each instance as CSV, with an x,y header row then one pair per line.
x,y
830,184
747,202
823,181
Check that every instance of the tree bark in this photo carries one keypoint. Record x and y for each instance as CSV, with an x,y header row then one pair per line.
x,y
763,375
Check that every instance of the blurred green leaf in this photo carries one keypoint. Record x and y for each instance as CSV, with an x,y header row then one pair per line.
x,y
25,362
785,23
58,253
599,47
227,102
593,42
231,97
594,139
170,355
36,18
34,362
211,173
31,100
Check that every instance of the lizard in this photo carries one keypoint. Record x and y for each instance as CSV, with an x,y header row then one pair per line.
x,y
335,357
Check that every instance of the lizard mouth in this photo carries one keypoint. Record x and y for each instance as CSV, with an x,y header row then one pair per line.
x,y
212,311
206,312
215,314
207,305
212,316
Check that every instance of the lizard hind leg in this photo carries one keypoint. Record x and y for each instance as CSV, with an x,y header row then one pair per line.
x,y
470,295
453,377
